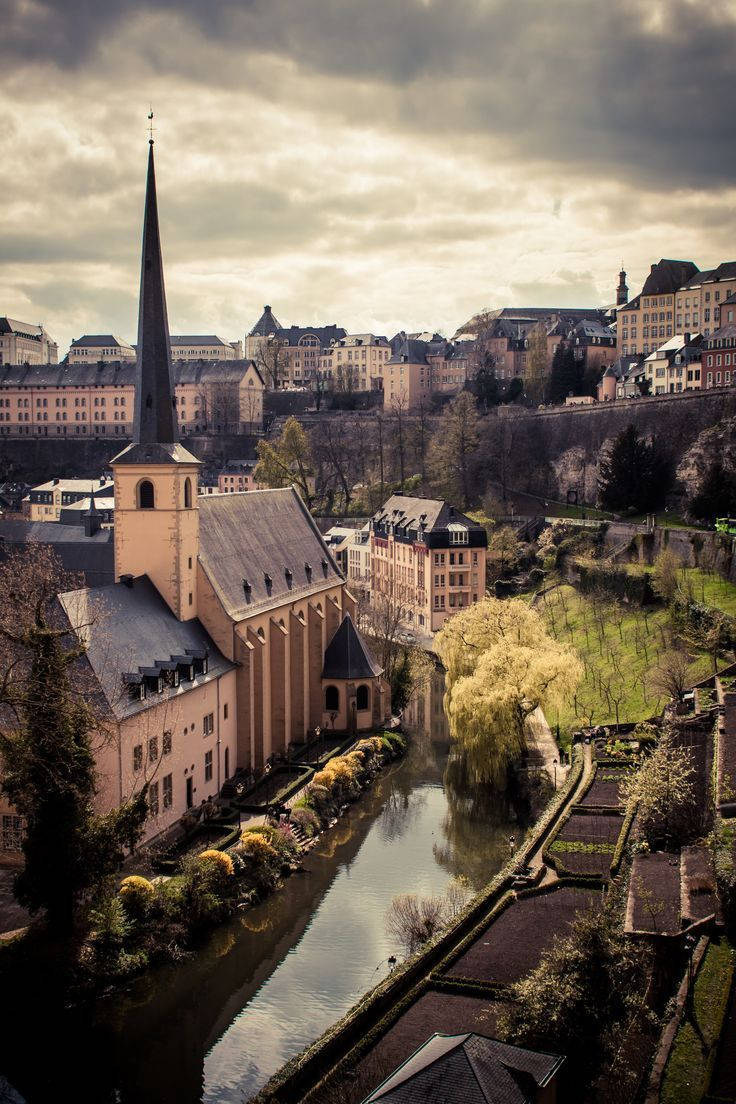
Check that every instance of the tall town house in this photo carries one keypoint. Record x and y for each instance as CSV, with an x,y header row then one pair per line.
x,y
228,633
427,559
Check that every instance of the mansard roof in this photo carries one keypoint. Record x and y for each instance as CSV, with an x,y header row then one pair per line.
x,y
131,627
347,656
667,276
24,329
292,335
413,516
206,339
262,548
99,340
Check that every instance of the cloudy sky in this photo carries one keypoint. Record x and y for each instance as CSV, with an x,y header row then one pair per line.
x,y
381,164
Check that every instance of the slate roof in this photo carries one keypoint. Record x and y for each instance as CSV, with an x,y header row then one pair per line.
x,y
468,1069
409,351
206,339
428,513
93,557
98,340
26,329
247,536
667,276
118,373
292,335
347,656
132,627
266,324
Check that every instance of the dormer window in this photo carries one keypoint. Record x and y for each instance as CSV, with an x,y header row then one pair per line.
x,y
325,566
288,576
247,590
308,571
268,581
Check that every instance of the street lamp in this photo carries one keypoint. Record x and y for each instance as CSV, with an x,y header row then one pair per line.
x,y
554,768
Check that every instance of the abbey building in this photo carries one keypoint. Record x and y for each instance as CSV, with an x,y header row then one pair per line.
x,y
228,633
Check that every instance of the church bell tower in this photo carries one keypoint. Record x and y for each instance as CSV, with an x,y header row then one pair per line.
x,y
156,506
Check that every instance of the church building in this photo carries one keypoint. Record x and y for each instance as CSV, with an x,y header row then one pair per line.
x,y
228,633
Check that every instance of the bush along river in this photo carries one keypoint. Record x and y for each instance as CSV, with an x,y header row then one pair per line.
x,y
267,983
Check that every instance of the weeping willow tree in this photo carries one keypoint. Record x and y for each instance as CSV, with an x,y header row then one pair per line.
x,y
501,664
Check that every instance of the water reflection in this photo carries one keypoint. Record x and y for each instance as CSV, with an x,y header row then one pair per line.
x,y
215,1028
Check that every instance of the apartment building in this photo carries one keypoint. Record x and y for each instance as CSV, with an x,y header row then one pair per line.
x,y
675,366
698,302
418,369
105,348
46,501
354,362
649,318
359,561
719,349
508,334
24,343
208,347
97,398
236,478
427,557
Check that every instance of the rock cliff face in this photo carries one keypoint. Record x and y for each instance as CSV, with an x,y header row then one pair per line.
x,y
551,453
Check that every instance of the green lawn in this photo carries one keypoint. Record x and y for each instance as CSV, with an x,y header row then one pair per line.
x,y
685,1078
618,657
712,589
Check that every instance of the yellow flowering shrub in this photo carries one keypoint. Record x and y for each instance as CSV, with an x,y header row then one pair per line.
x,y
218,859
136,893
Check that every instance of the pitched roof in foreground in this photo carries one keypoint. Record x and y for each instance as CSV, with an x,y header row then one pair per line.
x,y
468,1069
260,548
347,656
131,627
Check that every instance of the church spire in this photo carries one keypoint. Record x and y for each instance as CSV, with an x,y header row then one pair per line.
x,y
155,417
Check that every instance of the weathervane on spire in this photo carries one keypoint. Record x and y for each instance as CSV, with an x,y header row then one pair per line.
x,y
150,126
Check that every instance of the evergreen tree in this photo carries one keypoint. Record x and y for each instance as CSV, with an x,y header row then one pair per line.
x,y
634,474
716,495
566,374
45,744
485,387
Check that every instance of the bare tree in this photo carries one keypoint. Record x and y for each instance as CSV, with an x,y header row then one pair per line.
x,y
272,361
670,678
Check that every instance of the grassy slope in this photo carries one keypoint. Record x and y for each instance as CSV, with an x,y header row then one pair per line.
x,y
684,1078
620,649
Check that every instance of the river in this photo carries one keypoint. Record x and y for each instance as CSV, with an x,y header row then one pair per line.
x,y
215,1027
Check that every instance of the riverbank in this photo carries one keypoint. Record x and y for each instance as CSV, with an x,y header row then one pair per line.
x,y
268,982
342,1048
144,924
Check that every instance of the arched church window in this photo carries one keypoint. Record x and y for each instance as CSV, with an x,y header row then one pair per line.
x,y
332,699
145,495
362,697
187,493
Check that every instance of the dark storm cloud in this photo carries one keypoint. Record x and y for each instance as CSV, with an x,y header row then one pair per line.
x,y
634,88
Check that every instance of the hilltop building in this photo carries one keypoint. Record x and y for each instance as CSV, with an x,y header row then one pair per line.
x,y
227,633
24,343
428,558
96,398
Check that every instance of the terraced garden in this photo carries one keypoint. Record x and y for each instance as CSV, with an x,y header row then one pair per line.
x,y
513,944
586,842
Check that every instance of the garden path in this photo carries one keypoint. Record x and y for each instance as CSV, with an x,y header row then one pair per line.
x,y
542,747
